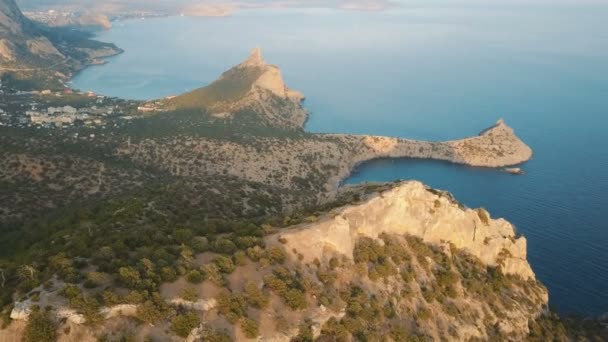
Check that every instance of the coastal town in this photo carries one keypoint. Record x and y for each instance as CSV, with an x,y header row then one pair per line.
x,y
47,109
68,17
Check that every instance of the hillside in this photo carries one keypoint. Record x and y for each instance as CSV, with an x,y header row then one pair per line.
x,y
252,86
247,125
350,273
213,216
33,56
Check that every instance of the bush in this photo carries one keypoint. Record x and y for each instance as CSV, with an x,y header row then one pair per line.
x,y
210,335
129,276
212,273
224,246
224,264
149,313
182,325
194,277
276,255
70,292
295,299
250,328
232,306
255,297
189,294
183,235
423,314
40,328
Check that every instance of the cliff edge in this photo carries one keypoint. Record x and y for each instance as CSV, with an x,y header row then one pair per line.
x,y
414,209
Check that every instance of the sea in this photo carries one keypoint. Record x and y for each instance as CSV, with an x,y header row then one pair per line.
x,y
434,72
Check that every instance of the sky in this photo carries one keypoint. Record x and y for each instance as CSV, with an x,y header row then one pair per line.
x,y
342,4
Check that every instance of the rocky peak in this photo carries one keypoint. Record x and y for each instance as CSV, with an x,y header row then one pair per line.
x,y
255,59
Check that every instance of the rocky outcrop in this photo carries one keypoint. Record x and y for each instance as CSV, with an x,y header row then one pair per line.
x,y
253,86
22,311
42,46
7,51
412,208
497,146
199,305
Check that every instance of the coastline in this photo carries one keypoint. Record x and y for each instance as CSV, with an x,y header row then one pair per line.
x,y
496,147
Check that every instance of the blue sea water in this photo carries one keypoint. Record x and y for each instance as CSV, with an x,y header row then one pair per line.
x,y
429,72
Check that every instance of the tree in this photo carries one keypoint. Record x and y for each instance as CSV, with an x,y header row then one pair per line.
x,y
224,264
255,297
250,328
182,325
129,276
183,235
195,277
148,312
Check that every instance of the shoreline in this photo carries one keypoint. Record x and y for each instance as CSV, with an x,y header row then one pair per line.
x,y
471,151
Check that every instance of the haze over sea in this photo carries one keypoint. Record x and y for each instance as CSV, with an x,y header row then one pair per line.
x,y
429,73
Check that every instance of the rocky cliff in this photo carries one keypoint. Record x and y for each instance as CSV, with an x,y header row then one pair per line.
x,y
414,209
404,262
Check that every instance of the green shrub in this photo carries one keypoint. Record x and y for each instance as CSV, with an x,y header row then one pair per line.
x,y
232,306
129,276
168,274
255,297
183,235
189,294
423,314
224,264
250,328
295,299
70,292
40,328
183,324
195,277
210,335
148,312
276,255
212,273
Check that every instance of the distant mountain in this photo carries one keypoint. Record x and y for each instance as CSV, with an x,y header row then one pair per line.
x,y
254,88
36,56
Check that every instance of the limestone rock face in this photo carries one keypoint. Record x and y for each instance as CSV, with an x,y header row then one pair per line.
x,y
269,85
70,315
7,52
199,305
271,78
21,311
255,59
412,208
124,310
42,46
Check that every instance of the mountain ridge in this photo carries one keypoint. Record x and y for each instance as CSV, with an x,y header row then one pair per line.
x,y
35,56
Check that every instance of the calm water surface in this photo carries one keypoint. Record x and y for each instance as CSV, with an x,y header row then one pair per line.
x,y
429,73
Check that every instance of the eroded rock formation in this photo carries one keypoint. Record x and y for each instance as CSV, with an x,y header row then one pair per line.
x,y
414,209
